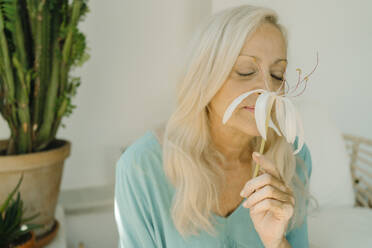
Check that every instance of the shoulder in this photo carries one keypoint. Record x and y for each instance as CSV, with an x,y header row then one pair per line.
x,y
304,155
140,158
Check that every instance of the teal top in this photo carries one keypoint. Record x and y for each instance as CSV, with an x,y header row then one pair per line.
x,y
143,197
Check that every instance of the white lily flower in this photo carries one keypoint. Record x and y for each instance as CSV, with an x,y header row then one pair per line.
x,y
288,118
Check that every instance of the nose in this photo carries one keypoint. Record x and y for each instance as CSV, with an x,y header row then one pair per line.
x,y
265,82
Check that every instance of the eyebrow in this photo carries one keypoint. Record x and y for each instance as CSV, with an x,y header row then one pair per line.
x,y
276,61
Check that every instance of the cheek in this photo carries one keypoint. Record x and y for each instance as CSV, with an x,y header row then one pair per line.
x,y
225,96
215,103
221,101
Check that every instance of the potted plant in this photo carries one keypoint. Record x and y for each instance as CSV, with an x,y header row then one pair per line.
x,y
40,44
14,232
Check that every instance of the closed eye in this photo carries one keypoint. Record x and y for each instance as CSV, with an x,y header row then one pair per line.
x,y
245,75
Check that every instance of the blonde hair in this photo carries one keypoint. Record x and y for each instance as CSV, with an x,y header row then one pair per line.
x,y
189,156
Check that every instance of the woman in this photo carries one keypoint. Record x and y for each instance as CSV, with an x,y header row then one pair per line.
x,y
185,184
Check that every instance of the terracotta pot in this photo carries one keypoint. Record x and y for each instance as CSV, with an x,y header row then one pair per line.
x,y
29,243
41,182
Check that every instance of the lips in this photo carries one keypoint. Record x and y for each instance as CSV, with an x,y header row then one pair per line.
x,y
250,107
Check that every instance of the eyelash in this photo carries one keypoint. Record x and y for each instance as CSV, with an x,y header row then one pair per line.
x,y
244,75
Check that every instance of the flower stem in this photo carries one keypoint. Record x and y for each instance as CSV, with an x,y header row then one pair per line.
x,y
263,141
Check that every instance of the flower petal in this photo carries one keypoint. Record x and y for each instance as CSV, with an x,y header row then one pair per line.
x,y
272,125
300,142
230,109
261,108
290,120
280,114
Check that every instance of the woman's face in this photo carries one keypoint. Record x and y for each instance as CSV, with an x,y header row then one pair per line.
x,y
267,44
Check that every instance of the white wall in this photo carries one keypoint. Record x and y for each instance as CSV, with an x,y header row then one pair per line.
x,y
341,31
128,83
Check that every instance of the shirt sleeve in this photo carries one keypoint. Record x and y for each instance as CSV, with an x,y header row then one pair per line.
x,y
298,237
132,208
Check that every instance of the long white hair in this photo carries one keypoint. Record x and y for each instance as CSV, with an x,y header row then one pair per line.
x,y
189,156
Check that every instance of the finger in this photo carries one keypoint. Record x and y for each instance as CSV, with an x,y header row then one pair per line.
x,y
261,171
266,164
261,181
277,207
268,191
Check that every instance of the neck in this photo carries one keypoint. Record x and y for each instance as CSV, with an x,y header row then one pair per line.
x,y
233,144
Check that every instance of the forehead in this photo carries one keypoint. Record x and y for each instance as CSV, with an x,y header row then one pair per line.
x,y
266,43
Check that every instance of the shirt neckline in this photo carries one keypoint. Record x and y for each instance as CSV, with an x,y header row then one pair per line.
x,y
231,216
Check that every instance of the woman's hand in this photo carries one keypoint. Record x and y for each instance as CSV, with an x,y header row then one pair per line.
x,y
271,203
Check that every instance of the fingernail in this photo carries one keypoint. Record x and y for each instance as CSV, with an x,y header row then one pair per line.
x,y
242,193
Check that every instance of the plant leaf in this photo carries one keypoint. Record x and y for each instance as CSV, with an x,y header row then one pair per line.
x,y
30,218
5,204
33,226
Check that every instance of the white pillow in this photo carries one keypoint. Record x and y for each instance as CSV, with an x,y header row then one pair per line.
x,y
340,227
330,181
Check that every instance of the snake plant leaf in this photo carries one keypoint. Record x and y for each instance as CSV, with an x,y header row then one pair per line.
x,y
10,196
30,218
